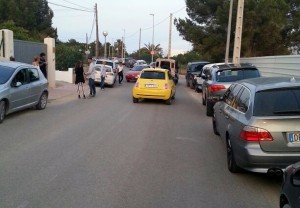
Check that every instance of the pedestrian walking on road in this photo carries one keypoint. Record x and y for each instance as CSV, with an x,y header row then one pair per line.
x,y
91,76
79,79
120,72
102,75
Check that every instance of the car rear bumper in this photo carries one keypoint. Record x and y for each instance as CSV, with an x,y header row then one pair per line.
x,y
152,94
252,158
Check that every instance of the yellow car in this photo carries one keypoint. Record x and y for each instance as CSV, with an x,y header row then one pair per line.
x,y
154,83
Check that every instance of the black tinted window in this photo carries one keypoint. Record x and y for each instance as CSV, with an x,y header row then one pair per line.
x,y
277,102
152,75
197,67
232,93
242,102
234,75
33,74
5,74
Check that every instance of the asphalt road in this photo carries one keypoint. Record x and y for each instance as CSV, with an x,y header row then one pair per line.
x,y
109,152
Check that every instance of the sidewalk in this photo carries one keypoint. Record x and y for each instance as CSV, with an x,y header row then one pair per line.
x,y
62,89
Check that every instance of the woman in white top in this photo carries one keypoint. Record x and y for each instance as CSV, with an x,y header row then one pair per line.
x,y
120,72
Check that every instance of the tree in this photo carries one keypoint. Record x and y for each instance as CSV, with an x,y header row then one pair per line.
x,y
269,27
34,16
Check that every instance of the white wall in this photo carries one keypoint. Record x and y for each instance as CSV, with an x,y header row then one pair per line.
x,y
276,65
66,76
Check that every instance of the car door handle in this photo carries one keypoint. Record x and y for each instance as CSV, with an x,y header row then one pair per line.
x,y
226,116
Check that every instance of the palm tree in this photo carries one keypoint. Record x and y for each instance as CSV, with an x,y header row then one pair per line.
x,y
157,49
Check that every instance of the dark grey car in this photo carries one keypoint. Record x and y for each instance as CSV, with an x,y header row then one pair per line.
x,y
194,69
259,121
219,76
21,86
290,189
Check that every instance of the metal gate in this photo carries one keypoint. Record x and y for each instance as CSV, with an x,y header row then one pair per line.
x,y
25,51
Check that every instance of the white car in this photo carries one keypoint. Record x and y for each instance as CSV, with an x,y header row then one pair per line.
x,y
140,62
110,77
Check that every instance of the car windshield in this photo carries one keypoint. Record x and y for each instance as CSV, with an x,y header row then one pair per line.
x,y
278,102
197,67
5,74
232,75
138,68
152,75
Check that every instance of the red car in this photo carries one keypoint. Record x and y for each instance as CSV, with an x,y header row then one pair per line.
x,y
134,73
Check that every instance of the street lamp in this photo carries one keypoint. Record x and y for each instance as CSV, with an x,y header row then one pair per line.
x,y
105,34
152,49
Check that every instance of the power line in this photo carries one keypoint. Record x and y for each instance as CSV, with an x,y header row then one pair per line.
x,y
71,7
75,4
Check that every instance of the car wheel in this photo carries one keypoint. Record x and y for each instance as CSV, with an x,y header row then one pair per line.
x,y
168,102
135,100
2,111
216,132
203,99
231,163
192,85
187,83
43,101
209,108
173,97
127,80
286,206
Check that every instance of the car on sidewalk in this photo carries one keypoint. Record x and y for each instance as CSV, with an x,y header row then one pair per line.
x,y
258,120
21,86
217,77
154,83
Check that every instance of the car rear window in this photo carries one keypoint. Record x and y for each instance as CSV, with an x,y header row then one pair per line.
x,y
233,75
152,75
280,102
5,74
197,67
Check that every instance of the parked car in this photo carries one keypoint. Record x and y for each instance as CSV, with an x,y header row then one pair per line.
x,y
193,72
154,84
112,63
259,121
290,189
21,86
129,62
134,73
110,78
218,77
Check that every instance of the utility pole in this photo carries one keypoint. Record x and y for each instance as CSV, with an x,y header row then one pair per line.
x,y
140,43
228,33
170,36
238,33
97,33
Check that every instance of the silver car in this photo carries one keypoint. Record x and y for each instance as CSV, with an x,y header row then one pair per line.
x,y
219,76
259,121
21,86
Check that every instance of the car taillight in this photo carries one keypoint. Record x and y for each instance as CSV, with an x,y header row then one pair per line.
x,y
214,88
137,84
254,134
166,86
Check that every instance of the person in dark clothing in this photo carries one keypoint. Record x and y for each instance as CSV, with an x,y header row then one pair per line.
x,y
79,79
43,64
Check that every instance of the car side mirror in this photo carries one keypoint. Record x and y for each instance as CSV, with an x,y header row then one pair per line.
x,y
296,178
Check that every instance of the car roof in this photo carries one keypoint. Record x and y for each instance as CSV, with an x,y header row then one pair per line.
x,y
266,83
14,64
220,66
155,69
198,62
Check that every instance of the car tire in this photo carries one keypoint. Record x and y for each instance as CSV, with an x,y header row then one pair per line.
x,y
286,206
203,100
187,83
231,163
135,100
192,85
168,102
216,132
2,111
209,108
42,101
127,80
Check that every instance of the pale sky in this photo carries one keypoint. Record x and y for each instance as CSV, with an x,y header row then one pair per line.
x,y
119,17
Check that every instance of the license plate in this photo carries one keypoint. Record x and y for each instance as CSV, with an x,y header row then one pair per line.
x,y
294,137
151,85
